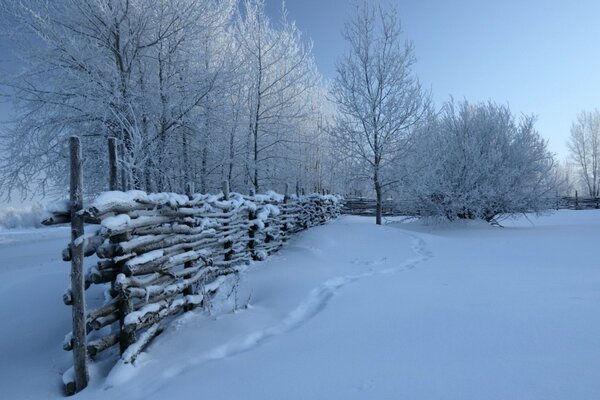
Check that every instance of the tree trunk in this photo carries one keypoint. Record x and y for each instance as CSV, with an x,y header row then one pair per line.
x,y
379,196
112,164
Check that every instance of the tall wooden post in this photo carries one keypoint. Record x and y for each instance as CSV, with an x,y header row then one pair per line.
x,y
226,190
77,276
189,191
286,195
113,180
228,246
253,228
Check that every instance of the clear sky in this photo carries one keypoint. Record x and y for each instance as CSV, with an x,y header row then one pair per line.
x,y
540,57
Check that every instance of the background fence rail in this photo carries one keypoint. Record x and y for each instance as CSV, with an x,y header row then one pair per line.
x,y
367,206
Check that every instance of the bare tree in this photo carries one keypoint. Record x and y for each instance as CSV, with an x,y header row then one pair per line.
x,y
584,145
378,97
280,73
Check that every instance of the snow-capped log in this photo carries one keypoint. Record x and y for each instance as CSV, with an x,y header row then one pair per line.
x,y
135,349
90,245
162,254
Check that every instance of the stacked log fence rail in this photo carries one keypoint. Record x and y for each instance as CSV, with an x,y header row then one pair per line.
x,y
366,206
161,254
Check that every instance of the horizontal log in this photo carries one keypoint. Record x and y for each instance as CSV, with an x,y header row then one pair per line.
x,y
164,263
170,244
56,220
97,346
97,276
114,230
144,339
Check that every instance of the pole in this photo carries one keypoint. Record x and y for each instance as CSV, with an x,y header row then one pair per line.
x,y
77,276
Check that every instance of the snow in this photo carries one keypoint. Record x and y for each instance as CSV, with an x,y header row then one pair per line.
x,y
349,310
145,258
137,316
21,217
116,222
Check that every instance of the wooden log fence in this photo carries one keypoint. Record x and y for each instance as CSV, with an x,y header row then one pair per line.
x,y
367,206
162,254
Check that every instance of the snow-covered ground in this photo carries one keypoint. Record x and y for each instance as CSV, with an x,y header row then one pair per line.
x,y
348,310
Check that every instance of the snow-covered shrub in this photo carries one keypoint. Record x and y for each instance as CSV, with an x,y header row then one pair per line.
x,y
476,161
15,218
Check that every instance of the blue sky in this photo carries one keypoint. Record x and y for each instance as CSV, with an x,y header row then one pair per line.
x,y
539,57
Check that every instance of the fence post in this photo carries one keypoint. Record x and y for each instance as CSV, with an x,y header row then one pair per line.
x,y
227,245
253,228
112,164
226,190
576,200
189,191
77,276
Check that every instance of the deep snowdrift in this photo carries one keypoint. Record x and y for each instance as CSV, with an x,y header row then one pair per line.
x,y
348,310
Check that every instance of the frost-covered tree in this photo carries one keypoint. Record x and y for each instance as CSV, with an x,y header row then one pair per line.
x,y
584,146
279,75
377,95
194,90
108,68
476,161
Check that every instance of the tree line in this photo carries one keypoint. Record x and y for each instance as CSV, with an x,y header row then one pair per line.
x,y
194,90
205,90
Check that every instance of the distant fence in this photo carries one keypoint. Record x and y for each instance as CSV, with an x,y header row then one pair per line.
x,y
163,254
578,203
367,206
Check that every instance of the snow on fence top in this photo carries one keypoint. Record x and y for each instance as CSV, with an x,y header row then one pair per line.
x,y
165,253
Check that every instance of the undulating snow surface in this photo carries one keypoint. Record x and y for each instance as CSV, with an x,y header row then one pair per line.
x,y
348,310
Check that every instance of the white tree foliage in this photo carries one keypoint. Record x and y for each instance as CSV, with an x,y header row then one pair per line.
x,y
475,161
379,99
584,146
279,76
194,90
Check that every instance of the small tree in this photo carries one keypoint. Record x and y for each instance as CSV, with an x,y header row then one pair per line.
x,y
377,96
477,162
584,145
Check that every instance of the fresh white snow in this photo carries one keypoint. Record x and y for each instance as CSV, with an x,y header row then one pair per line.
x,y
348,310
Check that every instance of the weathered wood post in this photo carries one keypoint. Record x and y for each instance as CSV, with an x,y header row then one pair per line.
x,y
189,191
113,180
77,275
228,245
284,227
225,190
253,228
576,200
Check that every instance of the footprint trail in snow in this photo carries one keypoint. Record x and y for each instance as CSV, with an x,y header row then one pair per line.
x,y
312,305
